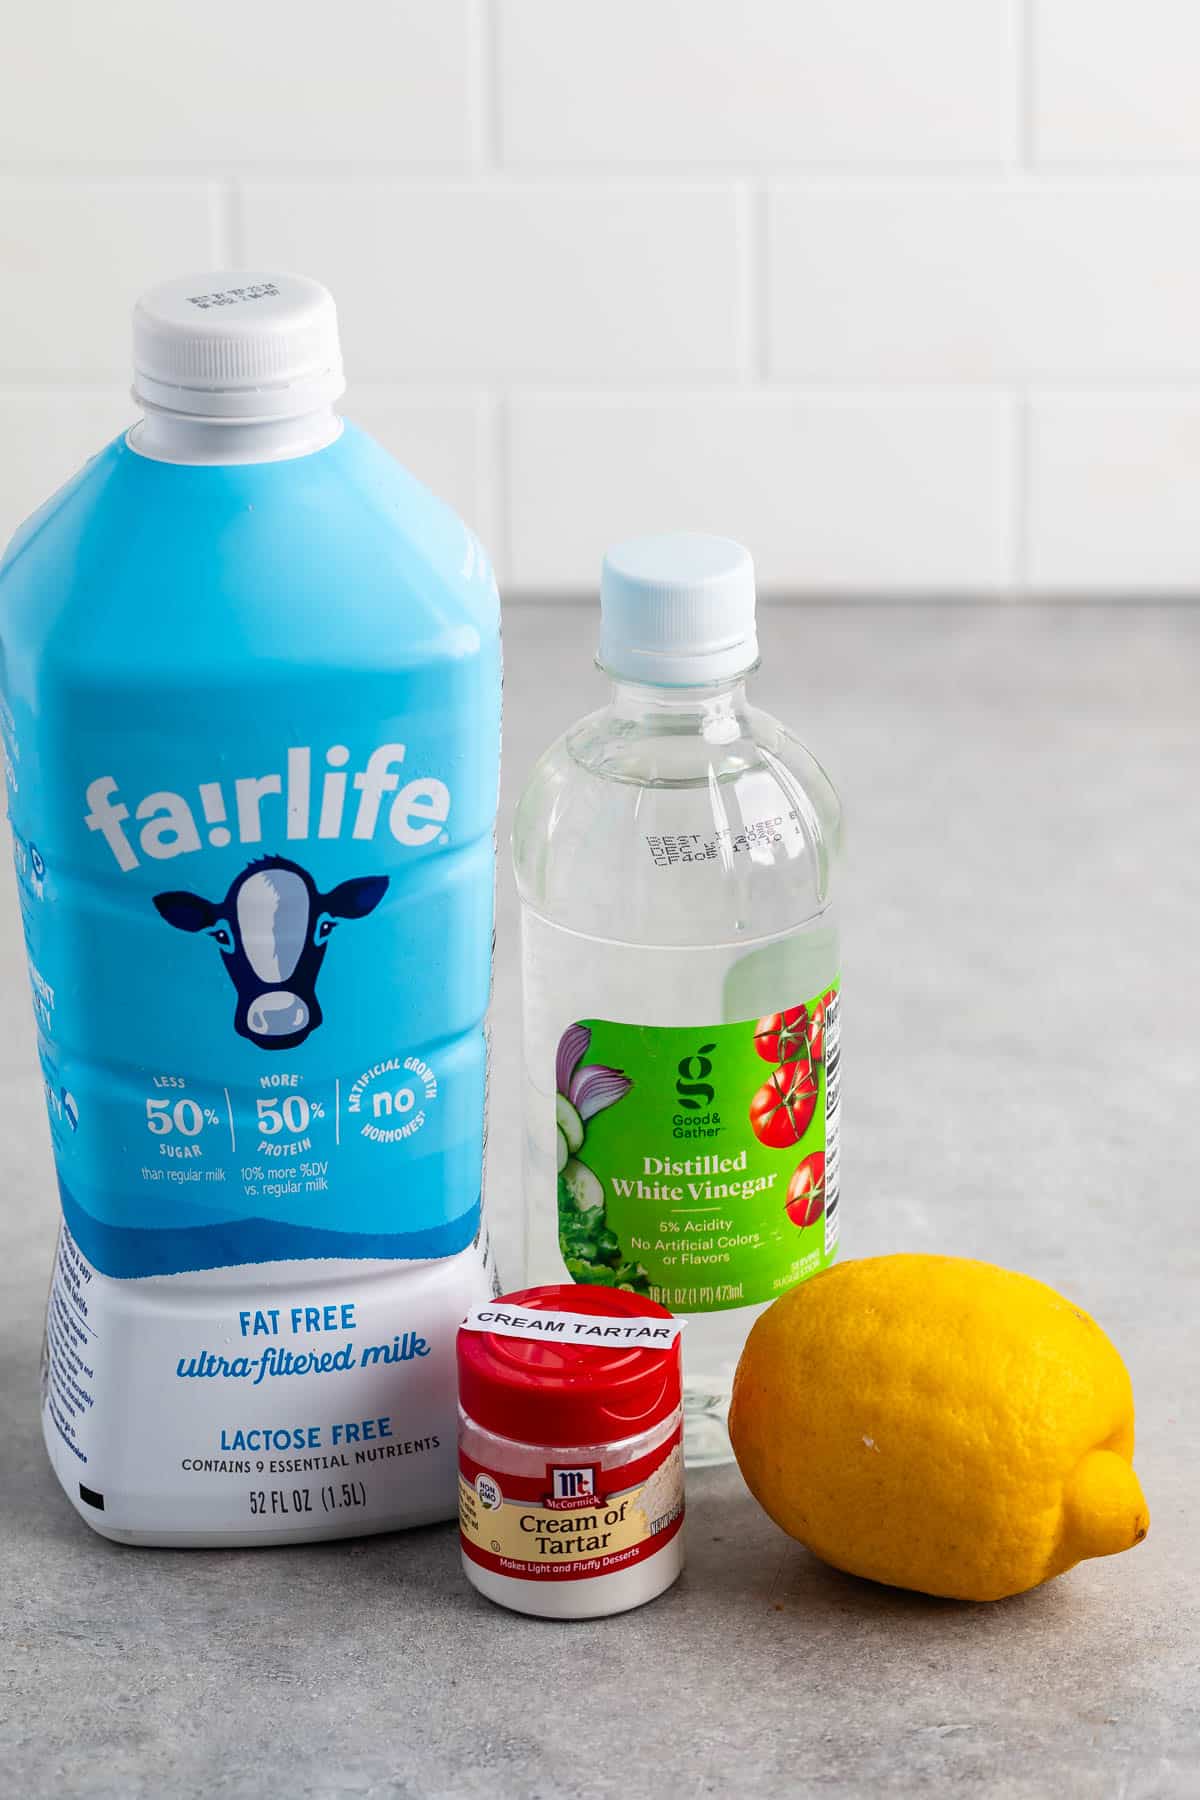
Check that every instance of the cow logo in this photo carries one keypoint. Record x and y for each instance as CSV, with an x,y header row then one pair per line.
x,y
272,929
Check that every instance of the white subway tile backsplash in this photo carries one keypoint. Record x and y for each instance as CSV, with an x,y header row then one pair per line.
x,y
503,280
74,257
1117,82
796,269
229,81
703,81
964,282
1114,493
51,433
443,438
831,492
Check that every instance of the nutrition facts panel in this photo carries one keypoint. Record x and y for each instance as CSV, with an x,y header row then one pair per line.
x,y
68,1353
833,1116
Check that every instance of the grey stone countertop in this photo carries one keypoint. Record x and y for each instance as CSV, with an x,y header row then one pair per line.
x,y
1022,915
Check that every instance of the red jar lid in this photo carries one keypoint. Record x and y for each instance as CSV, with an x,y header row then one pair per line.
x,y
568,1394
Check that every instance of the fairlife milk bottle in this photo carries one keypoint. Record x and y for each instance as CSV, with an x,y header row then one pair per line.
x,y
251,714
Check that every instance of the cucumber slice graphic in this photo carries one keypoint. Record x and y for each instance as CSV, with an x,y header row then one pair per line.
x,y
569,1123
583,1187
562,1148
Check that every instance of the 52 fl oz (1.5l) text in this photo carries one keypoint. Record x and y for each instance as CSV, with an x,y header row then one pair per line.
x,y
283,1502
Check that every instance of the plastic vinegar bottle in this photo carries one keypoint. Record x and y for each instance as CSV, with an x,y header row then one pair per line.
x,y
251,690
675,854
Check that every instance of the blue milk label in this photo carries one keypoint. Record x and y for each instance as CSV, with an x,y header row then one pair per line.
x,y
286,1082
251,719
260,954
273,924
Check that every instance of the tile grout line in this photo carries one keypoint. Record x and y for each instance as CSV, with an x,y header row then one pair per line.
x,y
616,391
759,278
1027,83
499,480
745,254
224,233
1021,496
1078,173
484,56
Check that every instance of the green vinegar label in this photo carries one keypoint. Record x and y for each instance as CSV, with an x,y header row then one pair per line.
x,y
699,1165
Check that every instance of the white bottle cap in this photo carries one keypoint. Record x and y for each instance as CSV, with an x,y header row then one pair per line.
x,y
677,610
237,344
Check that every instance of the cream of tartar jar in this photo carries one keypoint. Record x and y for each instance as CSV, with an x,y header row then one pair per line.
x,y
570,1450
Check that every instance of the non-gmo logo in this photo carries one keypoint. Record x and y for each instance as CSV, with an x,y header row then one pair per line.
x,y
488,1490
693,1088
574,1484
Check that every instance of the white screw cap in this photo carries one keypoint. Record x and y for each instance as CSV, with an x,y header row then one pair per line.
x,y
237,344
677,610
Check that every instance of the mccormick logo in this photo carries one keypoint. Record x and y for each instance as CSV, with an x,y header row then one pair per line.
x,y
572,1487
295,799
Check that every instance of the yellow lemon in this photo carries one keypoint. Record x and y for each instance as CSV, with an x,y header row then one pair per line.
x,y
938,1424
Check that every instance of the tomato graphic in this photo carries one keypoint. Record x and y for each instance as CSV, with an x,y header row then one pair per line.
x,y
816,1028
779,1036
781,1110
806,1191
